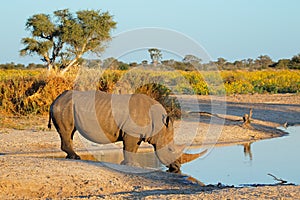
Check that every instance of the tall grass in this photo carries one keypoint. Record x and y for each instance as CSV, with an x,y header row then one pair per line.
x,y
26,92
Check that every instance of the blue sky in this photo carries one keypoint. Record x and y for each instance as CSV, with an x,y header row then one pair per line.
x,y
232,29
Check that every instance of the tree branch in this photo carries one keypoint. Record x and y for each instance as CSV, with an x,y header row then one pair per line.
x,y
281,181
215,115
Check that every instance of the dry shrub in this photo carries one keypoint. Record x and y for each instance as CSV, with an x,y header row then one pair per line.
x,y
108,79
31,95
163,95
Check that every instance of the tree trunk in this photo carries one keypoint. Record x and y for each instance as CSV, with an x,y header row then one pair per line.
x,y
69,66
247,119
73,61
50,67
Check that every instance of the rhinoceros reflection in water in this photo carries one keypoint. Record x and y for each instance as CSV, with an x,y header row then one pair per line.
x,y
106,118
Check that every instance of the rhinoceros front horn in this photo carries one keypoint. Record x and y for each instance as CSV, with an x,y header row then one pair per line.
x,y
186,157
171,153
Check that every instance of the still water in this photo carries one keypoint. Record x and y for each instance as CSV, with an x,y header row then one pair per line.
x,y
232,166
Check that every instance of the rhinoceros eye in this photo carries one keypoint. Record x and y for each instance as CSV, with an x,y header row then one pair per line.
x,y
171,149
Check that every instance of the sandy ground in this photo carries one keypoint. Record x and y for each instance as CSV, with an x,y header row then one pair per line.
x,y
32,167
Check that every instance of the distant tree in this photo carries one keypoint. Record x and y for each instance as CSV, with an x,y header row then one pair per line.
x,y
62,39
35,66
249,62
155,55
186,66
296,58
144,62
110,63
244,63
20,66
133,64
295,62
238,64
123,66
281,64
191,59
264,61
169,63
92,63
221,62
12,65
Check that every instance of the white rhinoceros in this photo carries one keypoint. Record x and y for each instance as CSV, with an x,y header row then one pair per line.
x,y
106,118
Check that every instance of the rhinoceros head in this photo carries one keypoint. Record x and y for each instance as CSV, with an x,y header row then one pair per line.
x,y
167,151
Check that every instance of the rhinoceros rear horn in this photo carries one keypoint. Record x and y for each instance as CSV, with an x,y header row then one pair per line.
x,y
185,157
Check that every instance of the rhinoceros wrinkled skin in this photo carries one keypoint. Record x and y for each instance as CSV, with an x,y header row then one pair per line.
x,y
106,118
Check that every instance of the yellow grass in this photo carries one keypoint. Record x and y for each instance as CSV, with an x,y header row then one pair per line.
x,y
27,92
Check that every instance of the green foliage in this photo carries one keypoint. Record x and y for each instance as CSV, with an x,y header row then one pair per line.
x,y
123,66
63,38
281,64
295,62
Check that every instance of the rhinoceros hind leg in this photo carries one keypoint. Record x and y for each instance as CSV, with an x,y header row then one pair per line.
x,y
67,145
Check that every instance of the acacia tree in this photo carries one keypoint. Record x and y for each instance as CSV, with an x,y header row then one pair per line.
x,y
155,55
191,59
63,38
264,61
295,62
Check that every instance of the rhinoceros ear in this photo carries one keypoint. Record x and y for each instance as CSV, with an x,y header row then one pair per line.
x,y
166,120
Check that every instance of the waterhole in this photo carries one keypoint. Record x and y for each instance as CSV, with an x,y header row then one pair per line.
x,y
251,163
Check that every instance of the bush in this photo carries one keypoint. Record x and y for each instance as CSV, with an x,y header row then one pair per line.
x,y
163,95
24,95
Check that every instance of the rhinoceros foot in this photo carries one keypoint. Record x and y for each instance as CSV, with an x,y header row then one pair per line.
x,y
76,157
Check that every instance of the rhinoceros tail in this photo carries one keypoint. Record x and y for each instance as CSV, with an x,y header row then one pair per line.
x,y
49,122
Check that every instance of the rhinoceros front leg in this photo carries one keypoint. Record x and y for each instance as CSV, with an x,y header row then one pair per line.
x,y
67,144
130,147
